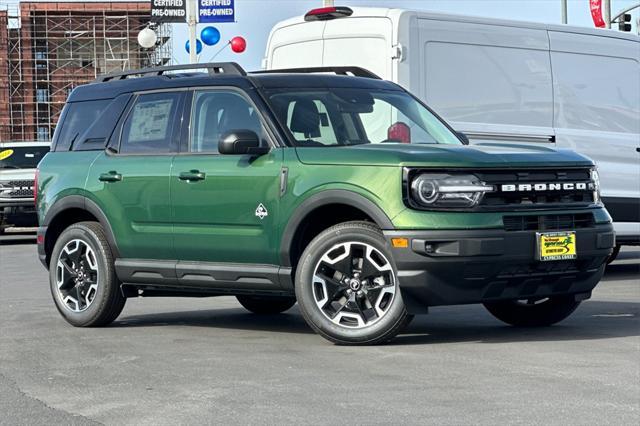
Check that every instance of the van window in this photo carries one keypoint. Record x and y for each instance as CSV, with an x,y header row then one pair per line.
x,y
149,126
596,92
489,84
79,117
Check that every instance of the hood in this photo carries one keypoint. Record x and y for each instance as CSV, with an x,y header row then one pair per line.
x,y
17,174
441,155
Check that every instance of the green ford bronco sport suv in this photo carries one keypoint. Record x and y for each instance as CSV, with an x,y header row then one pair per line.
x,y
325,186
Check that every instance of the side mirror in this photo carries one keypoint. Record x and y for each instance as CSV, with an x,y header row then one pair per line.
x,y
237,142
464,138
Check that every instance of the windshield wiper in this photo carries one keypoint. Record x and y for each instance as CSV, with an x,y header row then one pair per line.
x,y
8,166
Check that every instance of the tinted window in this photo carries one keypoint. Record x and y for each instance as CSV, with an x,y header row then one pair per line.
x,y
79,117
149,126
216,113
26,157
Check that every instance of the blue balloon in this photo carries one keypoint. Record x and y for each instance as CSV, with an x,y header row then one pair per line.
x,y
210,36
198,46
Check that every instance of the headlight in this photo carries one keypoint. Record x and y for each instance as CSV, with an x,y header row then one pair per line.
x,y
448,190
595,179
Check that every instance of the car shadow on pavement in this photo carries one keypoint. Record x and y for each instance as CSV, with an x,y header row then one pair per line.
x,y
239,319
594,319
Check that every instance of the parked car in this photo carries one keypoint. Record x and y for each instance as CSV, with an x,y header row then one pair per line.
x,y
18,162
497,81
277,188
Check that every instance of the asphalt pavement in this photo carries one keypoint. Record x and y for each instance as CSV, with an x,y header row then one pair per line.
x,y
208,361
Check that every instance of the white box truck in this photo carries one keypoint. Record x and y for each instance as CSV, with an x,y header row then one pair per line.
x,y
496,80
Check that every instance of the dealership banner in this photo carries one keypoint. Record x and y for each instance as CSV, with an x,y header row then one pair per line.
x,y
216,11
596,13
168,10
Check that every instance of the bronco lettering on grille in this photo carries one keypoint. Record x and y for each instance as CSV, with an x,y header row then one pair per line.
x,y
533,187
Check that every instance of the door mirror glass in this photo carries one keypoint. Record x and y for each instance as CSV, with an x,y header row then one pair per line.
x,y
237,142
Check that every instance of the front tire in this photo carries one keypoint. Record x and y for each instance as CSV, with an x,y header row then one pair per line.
x,y
533,312
268,305
347,286
82,278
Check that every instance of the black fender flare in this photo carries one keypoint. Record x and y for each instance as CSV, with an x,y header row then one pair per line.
x,y
323,198
83,203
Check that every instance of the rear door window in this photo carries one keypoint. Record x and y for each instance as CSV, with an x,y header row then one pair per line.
x,y
149,126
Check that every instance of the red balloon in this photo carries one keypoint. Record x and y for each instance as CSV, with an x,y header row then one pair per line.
x,y
238,44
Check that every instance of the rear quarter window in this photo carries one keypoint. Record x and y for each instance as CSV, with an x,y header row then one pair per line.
x,y
78,118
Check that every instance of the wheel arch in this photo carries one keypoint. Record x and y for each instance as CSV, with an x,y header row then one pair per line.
x,y
69,210
357,206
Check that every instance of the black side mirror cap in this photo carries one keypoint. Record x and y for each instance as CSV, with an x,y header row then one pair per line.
x,y
239,142
464,138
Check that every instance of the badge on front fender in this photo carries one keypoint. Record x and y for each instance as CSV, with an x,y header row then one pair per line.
x,y
261,211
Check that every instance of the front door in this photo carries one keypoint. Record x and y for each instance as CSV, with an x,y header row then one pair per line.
x,y
225,207
131,183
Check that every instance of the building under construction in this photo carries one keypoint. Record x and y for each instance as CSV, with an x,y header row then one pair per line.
x,y
48,48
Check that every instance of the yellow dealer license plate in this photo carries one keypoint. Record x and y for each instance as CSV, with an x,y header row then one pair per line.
x,y
556,245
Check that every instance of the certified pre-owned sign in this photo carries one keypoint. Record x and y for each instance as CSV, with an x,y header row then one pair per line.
x,y
168,10
216,11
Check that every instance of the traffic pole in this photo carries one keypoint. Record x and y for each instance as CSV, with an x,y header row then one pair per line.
x,y
606,12
564,11
192,22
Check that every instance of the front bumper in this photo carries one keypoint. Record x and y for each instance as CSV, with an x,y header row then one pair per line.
x,y
19,212
474,266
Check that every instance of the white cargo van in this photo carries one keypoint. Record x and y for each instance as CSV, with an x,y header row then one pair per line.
x,y
496,80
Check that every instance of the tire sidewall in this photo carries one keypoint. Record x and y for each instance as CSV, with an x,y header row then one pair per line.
x,y
304,290
105,275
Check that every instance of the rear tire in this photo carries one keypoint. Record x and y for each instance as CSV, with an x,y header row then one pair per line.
x,y
267,305
82,277
347,286
541,313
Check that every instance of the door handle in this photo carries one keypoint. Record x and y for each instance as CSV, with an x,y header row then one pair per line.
x,y
112,176
192,175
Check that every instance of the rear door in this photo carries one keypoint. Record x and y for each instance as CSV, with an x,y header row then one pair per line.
x,y
225,207
131,182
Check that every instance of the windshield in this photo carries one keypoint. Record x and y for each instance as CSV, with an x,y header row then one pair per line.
x,y
18,157
339,117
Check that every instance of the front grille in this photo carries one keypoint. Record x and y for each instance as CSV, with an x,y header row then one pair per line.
x,y
17,189
548,222
536,198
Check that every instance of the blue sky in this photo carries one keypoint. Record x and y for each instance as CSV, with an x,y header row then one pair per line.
x,y
255,18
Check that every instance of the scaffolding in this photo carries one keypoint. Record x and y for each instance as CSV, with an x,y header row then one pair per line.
x,y
53,47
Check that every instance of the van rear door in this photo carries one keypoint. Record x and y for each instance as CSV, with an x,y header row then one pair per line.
x,y
296,45
362,41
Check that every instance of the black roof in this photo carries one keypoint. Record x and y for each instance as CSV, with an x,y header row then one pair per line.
x,y
109,87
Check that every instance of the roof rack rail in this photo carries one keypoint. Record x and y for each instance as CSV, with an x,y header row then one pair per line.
x,y
348,70
213,68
